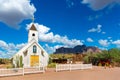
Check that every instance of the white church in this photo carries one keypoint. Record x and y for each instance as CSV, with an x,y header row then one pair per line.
x,y
32,53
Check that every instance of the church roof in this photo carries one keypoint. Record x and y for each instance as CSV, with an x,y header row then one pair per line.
x,y
33,27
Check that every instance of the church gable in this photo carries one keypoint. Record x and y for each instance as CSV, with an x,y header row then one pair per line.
x,y
34,49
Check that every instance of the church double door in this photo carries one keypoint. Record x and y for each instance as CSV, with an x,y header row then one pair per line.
x,y
34,60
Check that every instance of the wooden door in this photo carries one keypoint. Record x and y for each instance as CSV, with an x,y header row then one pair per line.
x,y
34,60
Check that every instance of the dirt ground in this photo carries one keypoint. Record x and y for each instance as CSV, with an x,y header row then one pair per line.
x,y
97,73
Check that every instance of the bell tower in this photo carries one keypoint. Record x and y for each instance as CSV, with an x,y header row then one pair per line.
x,y
33,33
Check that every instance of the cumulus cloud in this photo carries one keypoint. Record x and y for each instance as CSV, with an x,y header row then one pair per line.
x,y
13,12
90,40
117,42
98,29
51,49
7,50
104,43
46,36
100,4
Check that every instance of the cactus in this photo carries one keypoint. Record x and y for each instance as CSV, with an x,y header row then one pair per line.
x,y
21,61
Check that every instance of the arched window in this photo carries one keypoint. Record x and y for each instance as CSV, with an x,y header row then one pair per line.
x,y
33,34
34,49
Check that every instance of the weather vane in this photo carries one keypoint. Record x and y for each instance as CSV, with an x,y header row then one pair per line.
x,y
33,19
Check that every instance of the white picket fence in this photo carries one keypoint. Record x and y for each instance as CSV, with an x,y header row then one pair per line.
x,y
21,71
61,67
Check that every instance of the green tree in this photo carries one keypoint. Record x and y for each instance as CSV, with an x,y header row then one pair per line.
x,y
115,56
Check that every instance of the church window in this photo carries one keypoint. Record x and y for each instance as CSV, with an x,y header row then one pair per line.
x,y
33,34
34,49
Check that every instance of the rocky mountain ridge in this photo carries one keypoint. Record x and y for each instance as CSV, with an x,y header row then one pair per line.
x,y
77,49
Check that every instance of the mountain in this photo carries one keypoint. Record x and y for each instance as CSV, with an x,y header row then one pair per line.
x,y
77,49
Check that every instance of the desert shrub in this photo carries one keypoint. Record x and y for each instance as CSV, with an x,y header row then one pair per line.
x,y
50,61
106,64
52,65
4,61
86,59
62,56
9,66
99,64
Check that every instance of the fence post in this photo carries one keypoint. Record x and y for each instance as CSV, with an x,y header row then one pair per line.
x,y
91,65
39,67
43,69
82,66
23,71
70,66
56,67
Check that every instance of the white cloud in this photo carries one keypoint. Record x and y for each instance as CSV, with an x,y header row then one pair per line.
x,y
3,45
19,46
100,4
48,48
9,49
98,29
13,12
117,43
103,32
104,43
90,40
46,36
51,49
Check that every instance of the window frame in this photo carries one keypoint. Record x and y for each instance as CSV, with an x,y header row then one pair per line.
x,y
34,49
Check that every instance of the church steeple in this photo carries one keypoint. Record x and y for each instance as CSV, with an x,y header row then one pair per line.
x,y
33,27
33,33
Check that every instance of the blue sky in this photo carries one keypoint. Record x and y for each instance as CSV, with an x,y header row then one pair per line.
x,y
60,23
